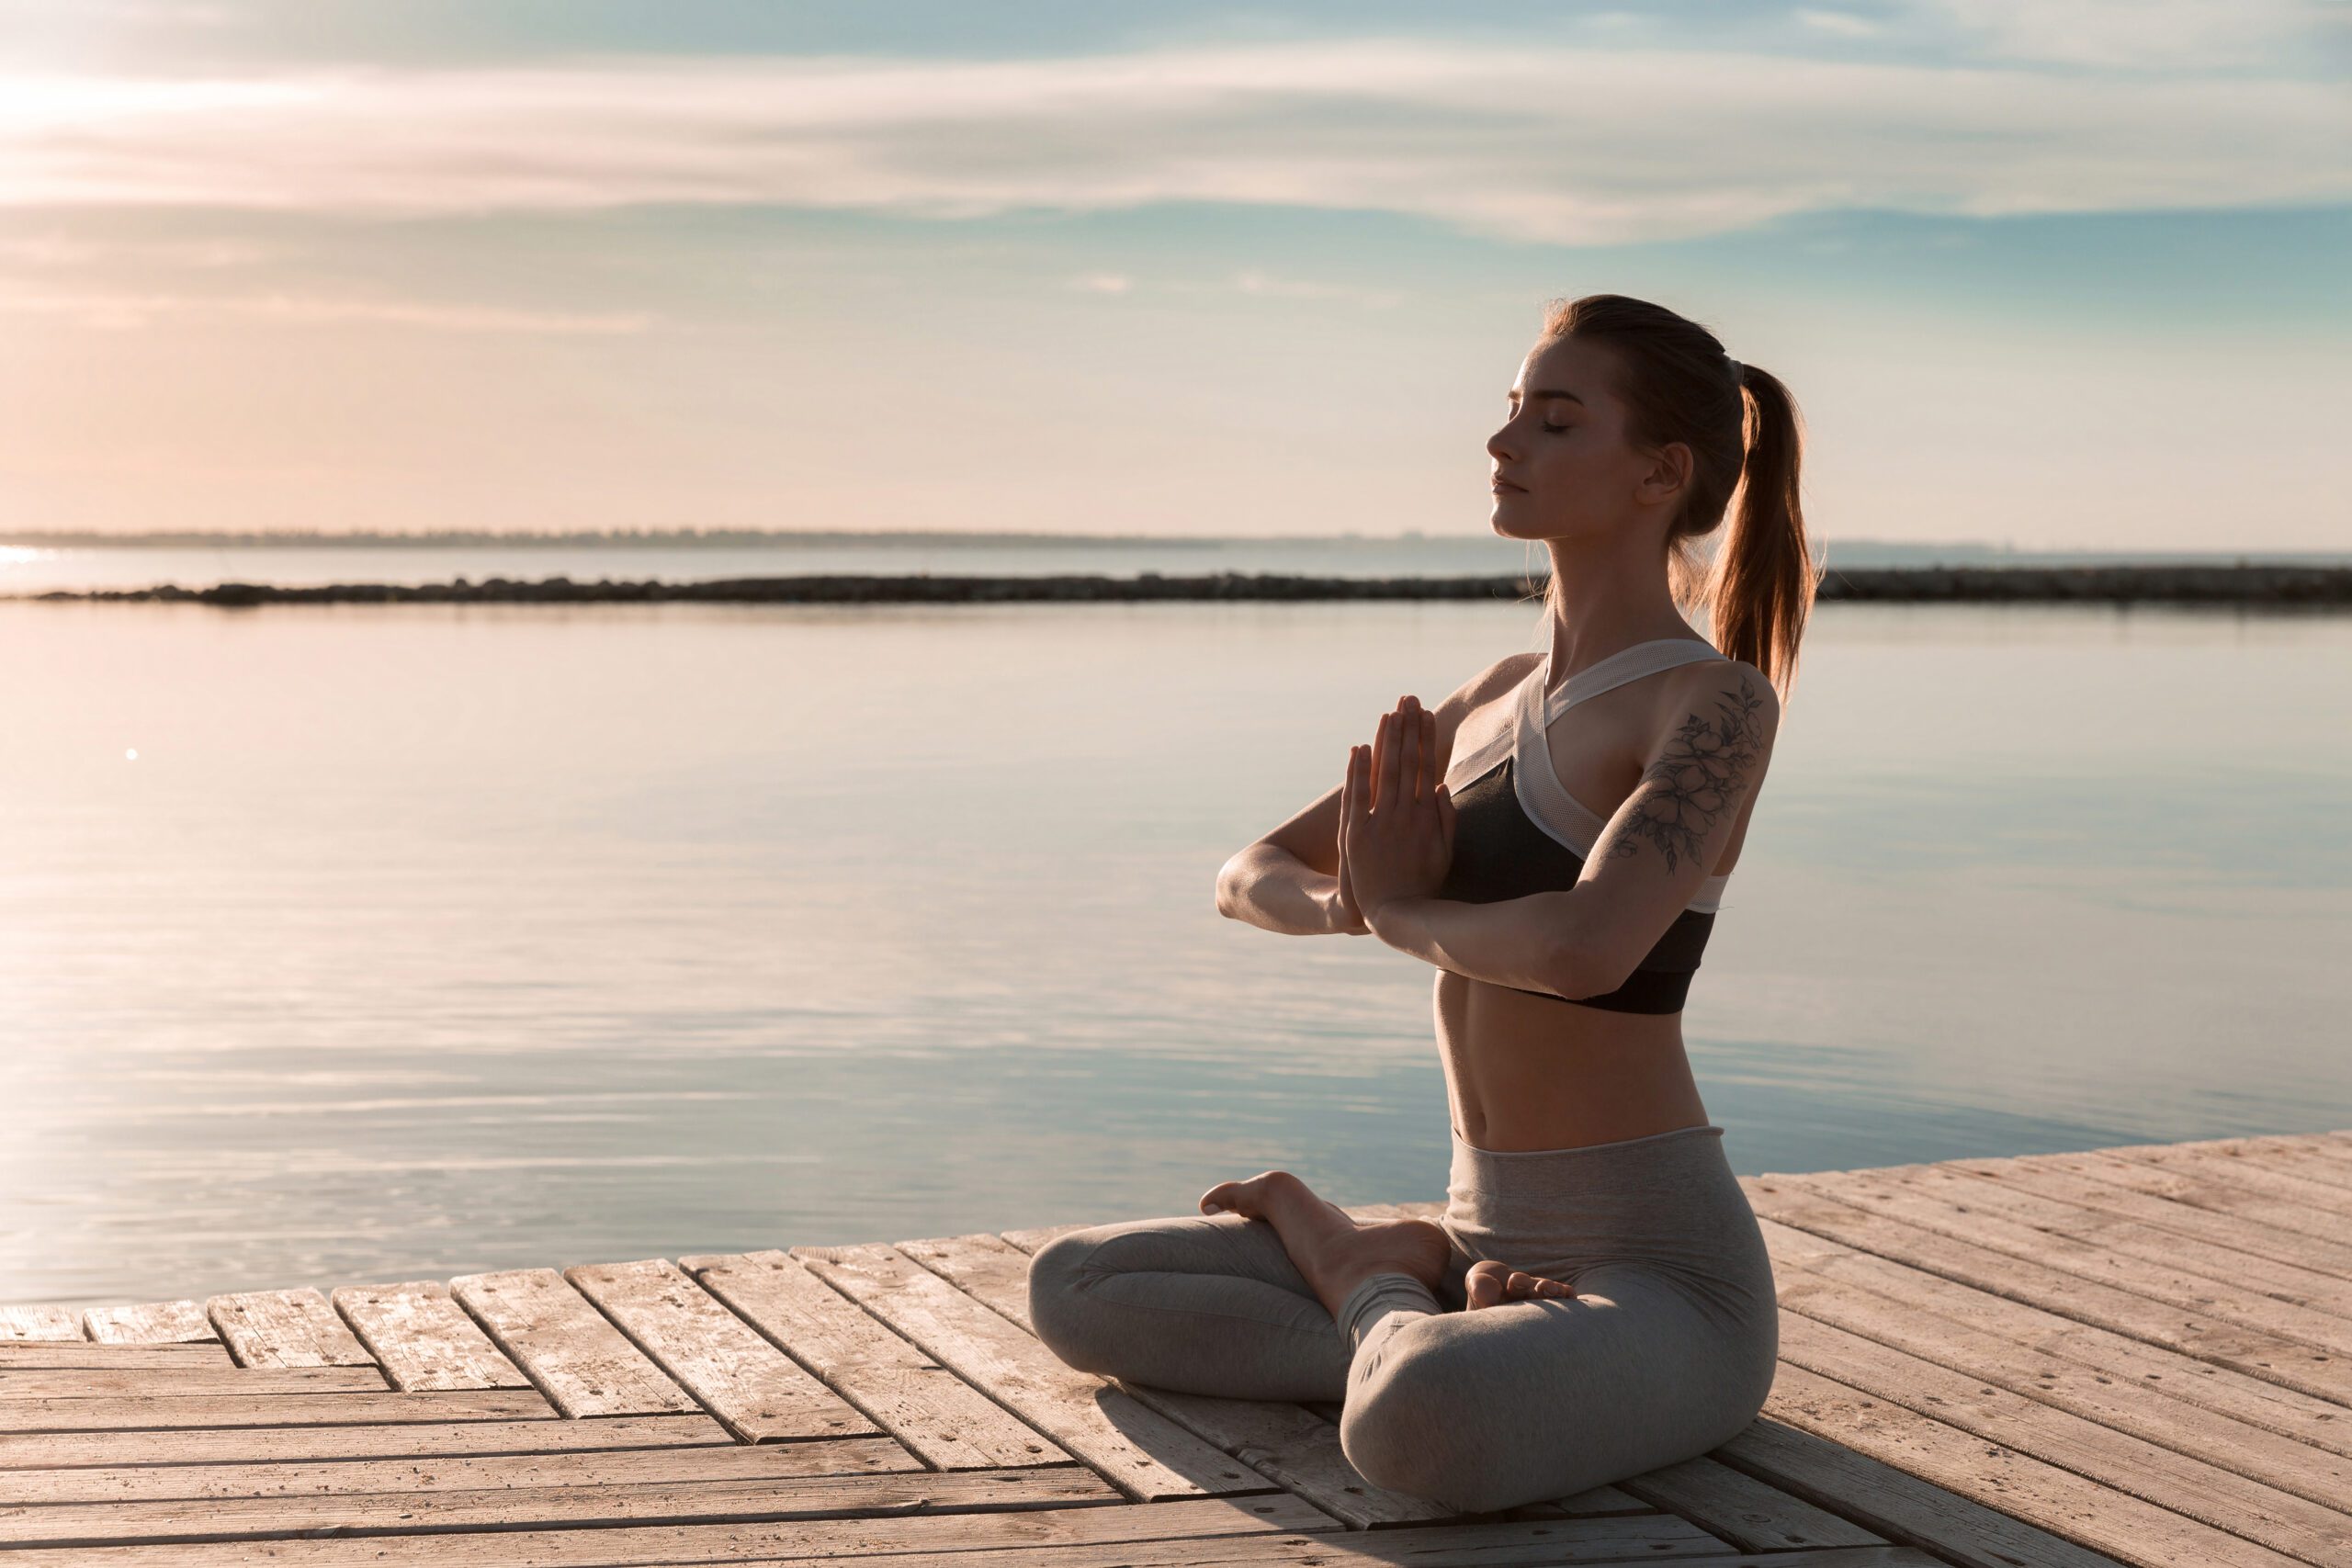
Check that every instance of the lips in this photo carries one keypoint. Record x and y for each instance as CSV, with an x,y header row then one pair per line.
x,y
1501,483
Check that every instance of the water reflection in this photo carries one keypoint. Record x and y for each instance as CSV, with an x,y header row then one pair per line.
x,y
425,940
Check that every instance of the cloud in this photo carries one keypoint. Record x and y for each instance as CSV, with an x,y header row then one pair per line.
x,y
1572,145
2143,34
125,312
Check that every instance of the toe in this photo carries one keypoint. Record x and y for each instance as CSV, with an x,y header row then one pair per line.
x,y
1484,1284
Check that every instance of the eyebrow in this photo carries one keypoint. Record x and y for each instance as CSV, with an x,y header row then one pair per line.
x,y
1551,392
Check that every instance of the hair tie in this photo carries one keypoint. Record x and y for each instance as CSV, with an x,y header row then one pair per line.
x,y
1738,372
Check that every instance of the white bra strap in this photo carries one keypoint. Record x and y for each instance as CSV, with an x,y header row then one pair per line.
x,y
1625,664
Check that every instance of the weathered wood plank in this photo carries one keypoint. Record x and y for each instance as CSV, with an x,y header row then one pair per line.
x,y
643,1546
1135,1448
92,1353
2302,1158
582,1363
2231,1503
2263,1356
285,1328
1283,1440
2194,1189
134,1480
149,1323
2178,1286
417,1440
762,1394
39,1323
119,1382
1752,1515
1876,1465
1428,1546
2174,1247
1590,1504
423,1338
2121,1360
2325,1209
769,1500
2336,1145
934,1413
159,1412
987,1268
2124,1406
1648,1538
2235,1232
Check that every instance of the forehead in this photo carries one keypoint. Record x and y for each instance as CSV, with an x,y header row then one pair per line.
x,y
1566,365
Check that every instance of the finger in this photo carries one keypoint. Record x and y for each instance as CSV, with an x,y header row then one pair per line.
x,y
1379,755
1409,762
1432,766
1386,789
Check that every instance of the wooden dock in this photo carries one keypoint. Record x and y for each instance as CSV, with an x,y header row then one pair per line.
x,y
2140,1355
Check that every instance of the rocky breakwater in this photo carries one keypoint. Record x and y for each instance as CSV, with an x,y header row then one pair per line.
x,y
2283,586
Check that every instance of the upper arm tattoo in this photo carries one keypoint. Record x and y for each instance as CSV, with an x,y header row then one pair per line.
x,y
1705,766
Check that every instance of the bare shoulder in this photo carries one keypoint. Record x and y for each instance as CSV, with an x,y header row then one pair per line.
x,y
1728,702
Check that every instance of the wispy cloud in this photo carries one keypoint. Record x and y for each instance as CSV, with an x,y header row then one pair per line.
x,y
1589,145
127,311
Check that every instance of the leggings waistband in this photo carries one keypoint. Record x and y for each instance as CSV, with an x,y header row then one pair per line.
x,y
1669,1194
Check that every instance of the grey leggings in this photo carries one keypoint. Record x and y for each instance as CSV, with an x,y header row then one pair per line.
x,y
1665,1350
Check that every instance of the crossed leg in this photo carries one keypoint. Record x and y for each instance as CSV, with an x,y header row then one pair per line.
x,y
1543,1392
1210,1305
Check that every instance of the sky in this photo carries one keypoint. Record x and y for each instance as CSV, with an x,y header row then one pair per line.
x,y
2061,274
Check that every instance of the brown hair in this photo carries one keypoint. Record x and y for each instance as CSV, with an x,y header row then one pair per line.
x,y
1676,387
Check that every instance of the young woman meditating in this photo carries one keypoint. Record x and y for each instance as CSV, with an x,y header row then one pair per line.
x,y
1595,1300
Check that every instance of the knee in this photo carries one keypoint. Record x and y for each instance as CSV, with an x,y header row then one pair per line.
x,y
1056,1305
1408,1426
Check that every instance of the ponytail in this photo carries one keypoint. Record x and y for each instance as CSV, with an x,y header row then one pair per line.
x,y
1761,588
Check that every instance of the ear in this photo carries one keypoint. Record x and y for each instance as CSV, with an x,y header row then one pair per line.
x,y
1668,475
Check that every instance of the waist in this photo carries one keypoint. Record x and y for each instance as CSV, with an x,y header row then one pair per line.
x,y
1667,1197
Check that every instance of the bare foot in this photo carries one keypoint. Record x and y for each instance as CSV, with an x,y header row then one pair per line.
x,y
1491,1284
1331,1249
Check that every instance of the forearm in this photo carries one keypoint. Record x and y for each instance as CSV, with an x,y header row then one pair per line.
x,y
1513,941
1272,888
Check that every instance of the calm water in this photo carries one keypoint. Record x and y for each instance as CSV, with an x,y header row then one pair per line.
x,y
422,939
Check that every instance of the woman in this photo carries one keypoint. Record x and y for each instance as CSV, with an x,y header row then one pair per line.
x,y
1595,1300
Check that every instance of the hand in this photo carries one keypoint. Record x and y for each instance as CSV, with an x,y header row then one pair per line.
x,y
1347,915
1395,815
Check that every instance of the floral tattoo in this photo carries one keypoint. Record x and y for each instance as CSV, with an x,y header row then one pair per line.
x,y
1704,770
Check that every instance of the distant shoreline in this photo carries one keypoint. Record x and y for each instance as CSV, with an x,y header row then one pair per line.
x,y
2272,585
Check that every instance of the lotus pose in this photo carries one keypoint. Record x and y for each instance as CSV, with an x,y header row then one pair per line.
x,y
1595,1300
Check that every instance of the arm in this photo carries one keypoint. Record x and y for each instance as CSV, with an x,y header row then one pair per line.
x,y
1706,764
1513,941
1272,888
1288,882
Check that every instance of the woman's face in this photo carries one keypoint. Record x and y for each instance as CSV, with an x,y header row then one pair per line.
x,y
1562,467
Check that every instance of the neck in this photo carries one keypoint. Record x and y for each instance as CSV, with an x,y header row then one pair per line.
x,y
1606,596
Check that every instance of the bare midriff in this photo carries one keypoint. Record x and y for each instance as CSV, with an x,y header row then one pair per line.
x,y
1525,1072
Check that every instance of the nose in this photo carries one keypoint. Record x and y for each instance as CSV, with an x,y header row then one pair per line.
x,y
1498,445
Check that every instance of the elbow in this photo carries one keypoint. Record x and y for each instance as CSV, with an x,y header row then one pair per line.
x,y
1582,969
1228,886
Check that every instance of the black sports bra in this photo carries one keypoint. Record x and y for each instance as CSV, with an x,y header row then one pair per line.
x,y
1516,829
